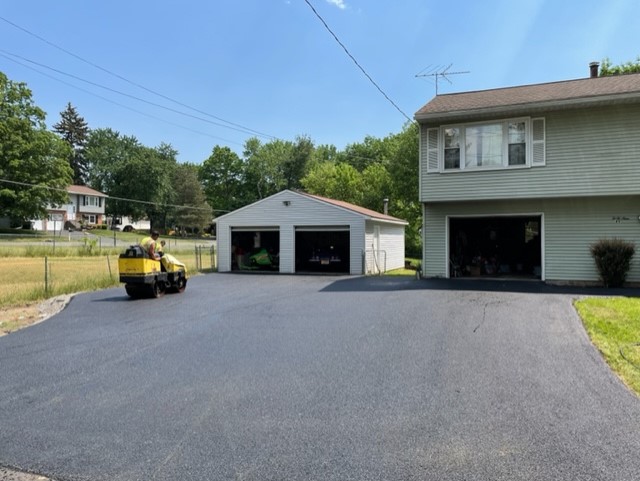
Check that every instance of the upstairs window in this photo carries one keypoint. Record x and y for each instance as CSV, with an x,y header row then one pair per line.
x,y
504,144
92,201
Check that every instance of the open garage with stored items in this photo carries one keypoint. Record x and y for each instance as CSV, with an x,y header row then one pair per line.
x,y
295,232
504,246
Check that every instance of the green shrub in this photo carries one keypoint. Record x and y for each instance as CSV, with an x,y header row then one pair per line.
x,y
613,260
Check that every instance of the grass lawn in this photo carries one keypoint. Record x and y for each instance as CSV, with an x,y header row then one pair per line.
x,y
614,327
413,263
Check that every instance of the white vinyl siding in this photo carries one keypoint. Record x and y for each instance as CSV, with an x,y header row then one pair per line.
x,y
300,211
391,243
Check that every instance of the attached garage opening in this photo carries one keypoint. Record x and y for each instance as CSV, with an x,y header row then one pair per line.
x,y
321,249
255,249
504,246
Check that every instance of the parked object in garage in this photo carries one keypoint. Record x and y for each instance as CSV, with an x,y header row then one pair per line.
x,y
146,277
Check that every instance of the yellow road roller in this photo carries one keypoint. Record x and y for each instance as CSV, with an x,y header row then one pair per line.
x,y
146,277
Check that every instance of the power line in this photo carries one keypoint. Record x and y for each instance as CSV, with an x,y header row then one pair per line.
x,y
117,103
240,128
244,131
255,132
355,61
37,186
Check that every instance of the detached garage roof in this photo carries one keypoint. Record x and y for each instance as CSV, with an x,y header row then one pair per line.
x,y
367,213
372,214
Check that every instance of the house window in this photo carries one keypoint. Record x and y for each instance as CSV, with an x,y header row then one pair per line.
x,y
487,145
452,148
92,201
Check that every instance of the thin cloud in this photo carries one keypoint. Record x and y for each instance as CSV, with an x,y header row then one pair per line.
x,y
338,3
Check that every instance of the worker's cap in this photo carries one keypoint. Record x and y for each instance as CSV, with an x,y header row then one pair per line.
x,y
154,233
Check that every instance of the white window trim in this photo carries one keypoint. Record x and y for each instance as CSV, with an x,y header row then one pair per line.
x,y
505,166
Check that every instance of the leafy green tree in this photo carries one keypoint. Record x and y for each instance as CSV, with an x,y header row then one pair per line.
x,y
295,166
29,156
338,181
196,212
74,131
138,178
404,201
362,154
607,69
222,176
377,185
264,168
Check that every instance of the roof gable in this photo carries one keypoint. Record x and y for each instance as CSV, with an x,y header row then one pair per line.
x,y
324,200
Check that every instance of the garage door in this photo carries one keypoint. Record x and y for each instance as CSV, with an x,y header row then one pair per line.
x,y
322,249
255,248
501,246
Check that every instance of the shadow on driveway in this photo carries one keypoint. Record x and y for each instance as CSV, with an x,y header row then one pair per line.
x,y
402,283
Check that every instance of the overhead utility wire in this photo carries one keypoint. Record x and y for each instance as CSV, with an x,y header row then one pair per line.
x,y
244,131
130,81
36,186
117,103
355,61
247,130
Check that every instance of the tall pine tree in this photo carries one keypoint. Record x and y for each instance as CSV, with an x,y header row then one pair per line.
x,y
74,130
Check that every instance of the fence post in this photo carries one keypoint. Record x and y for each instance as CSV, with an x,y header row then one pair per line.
x,y
46,274
109,264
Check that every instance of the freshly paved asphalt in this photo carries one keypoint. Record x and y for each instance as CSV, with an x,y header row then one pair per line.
x,y
247,377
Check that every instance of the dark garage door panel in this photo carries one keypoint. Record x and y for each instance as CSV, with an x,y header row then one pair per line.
x,y
322,249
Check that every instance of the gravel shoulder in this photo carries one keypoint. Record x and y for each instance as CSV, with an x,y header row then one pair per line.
x,y
18,317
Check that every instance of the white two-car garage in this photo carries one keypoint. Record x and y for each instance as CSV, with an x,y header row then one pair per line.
x,y
294,232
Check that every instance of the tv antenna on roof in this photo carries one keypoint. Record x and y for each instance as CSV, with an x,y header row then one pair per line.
x,y
439,72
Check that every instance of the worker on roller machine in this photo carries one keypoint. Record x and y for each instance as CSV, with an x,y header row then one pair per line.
x,y
151,245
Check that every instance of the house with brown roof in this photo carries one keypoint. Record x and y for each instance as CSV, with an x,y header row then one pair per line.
x,y
518,182
86,206
295,232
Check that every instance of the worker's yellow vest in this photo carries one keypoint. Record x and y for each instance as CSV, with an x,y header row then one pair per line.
x,y
146,243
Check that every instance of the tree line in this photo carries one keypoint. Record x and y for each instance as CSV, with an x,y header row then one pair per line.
x,y
37,164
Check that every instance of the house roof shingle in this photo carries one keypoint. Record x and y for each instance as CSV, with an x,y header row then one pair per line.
x,y
569,92
84,190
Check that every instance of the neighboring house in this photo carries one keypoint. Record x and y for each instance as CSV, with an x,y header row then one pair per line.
x,y
521,181
85,206
307,233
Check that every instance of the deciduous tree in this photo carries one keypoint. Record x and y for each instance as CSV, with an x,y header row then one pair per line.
x,y
607,69
222,176
194,212
34,171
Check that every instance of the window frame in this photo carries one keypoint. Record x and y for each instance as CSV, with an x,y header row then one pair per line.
x,y
462,131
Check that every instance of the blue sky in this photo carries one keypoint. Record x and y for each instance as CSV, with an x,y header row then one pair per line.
x,y
271,66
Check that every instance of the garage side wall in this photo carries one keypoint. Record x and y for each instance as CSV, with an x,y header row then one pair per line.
x,y
391,243
569,227
289,210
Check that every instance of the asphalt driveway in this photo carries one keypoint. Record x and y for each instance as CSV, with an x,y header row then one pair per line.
x,y
247,377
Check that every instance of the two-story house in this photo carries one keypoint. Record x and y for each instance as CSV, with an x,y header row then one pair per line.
x,y
520,181
85,205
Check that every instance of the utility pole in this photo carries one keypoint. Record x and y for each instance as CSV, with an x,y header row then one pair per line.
x,y
443,73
